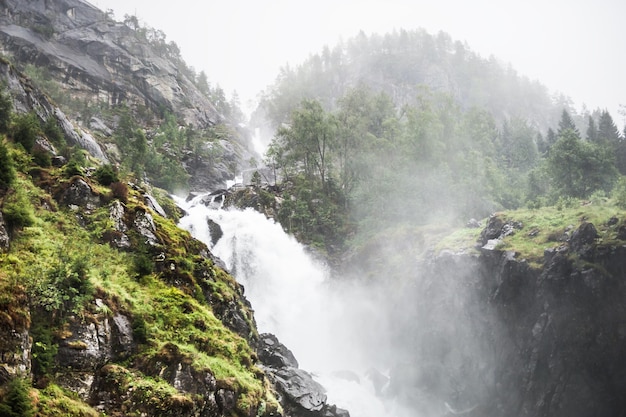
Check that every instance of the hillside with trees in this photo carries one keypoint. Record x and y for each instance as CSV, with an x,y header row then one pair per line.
x,y
410,128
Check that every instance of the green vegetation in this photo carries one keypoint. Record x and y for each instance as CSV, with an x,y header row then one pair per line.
x,y
16,401
540,229
357,160
61,262
25,130
7,171
106,175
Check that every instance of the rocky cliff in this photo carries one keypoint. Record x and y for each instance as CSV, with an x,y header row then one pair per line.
x,y
98,65
111,309
490,333
99,59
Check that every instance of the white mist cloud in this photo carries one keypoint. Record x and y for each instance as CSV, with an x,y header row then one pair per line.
x,y
574,47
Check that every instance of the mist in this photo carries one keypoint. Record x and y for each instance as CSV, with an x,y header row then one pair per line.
x,y
241,45
403,338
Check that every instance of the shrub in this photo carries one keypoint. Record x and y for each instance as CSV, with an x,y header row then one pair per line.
x,y
119,190
53,132
619,193
42,158
6,108
106,175
140,330
25,130
66,287
17,401
143,264
44,349
72,168
7,171
17,210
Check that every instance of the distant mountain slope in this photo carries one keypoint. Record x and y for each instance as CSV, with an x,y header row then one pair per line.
x,y
130,89
100,59
402,64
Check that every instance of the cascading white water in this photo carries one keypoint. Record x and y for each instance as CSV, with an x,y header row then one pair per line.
x,y
293,298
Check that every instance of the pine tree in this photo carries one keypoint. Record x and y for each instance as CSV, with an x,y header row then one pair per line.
x,y
592,131
6,108
7,172
566,123
607,131
17,402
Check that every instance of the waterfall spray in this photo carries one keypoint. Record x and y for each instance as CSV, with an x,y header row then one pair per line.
x,y
293,298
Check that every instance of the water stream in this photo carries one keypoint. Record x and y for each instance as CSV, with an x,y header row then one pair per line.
x,y
294,297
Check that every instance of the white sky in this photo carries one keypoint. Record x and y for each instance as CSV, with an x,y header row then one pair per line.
x,y
572,46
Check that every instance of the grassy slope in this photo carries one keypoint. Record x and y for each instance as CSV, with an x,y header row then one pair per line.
x,y
60,241
544,228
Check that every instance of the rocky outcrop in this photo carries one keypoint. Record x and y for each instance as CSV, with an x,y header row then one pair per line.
x,y
27,98
300,394
500,337
99,59
100,62
565,344
4,235
78,193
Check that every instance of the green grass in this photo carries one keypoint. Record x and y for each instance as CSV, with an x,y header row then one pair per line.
x,y
67,245
543,228
53,401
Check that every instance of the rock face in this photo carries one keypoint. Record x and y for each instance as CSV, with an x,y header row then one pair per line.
x,y
566,343
27,98
99,59
4,236
301,395
520,341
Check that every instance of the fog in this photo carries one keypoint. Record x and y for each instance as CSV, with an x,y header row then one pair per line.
x,y
573,47
423,327
414,342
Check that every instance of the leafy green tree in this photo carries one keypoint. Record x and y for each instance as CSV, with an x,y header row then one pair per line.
x,y
363,119
307,142
551,139
203,83
518,147
607,130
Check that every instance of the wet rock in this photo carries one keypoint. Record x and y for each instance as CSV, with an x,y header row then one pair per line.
x,y
42,145
226,401
492,231
215,230
15,352
583,238
154,205
498,229
144,225
300,389
58,161
4,236
473,223
79,194
123,342
274,354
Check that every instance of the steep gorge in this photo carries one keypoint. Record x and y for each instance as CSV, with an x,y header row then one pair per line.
x,y
110,308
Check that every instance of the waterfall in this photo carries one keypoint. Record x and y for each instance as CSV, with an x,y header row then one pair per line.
x,y
294,298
